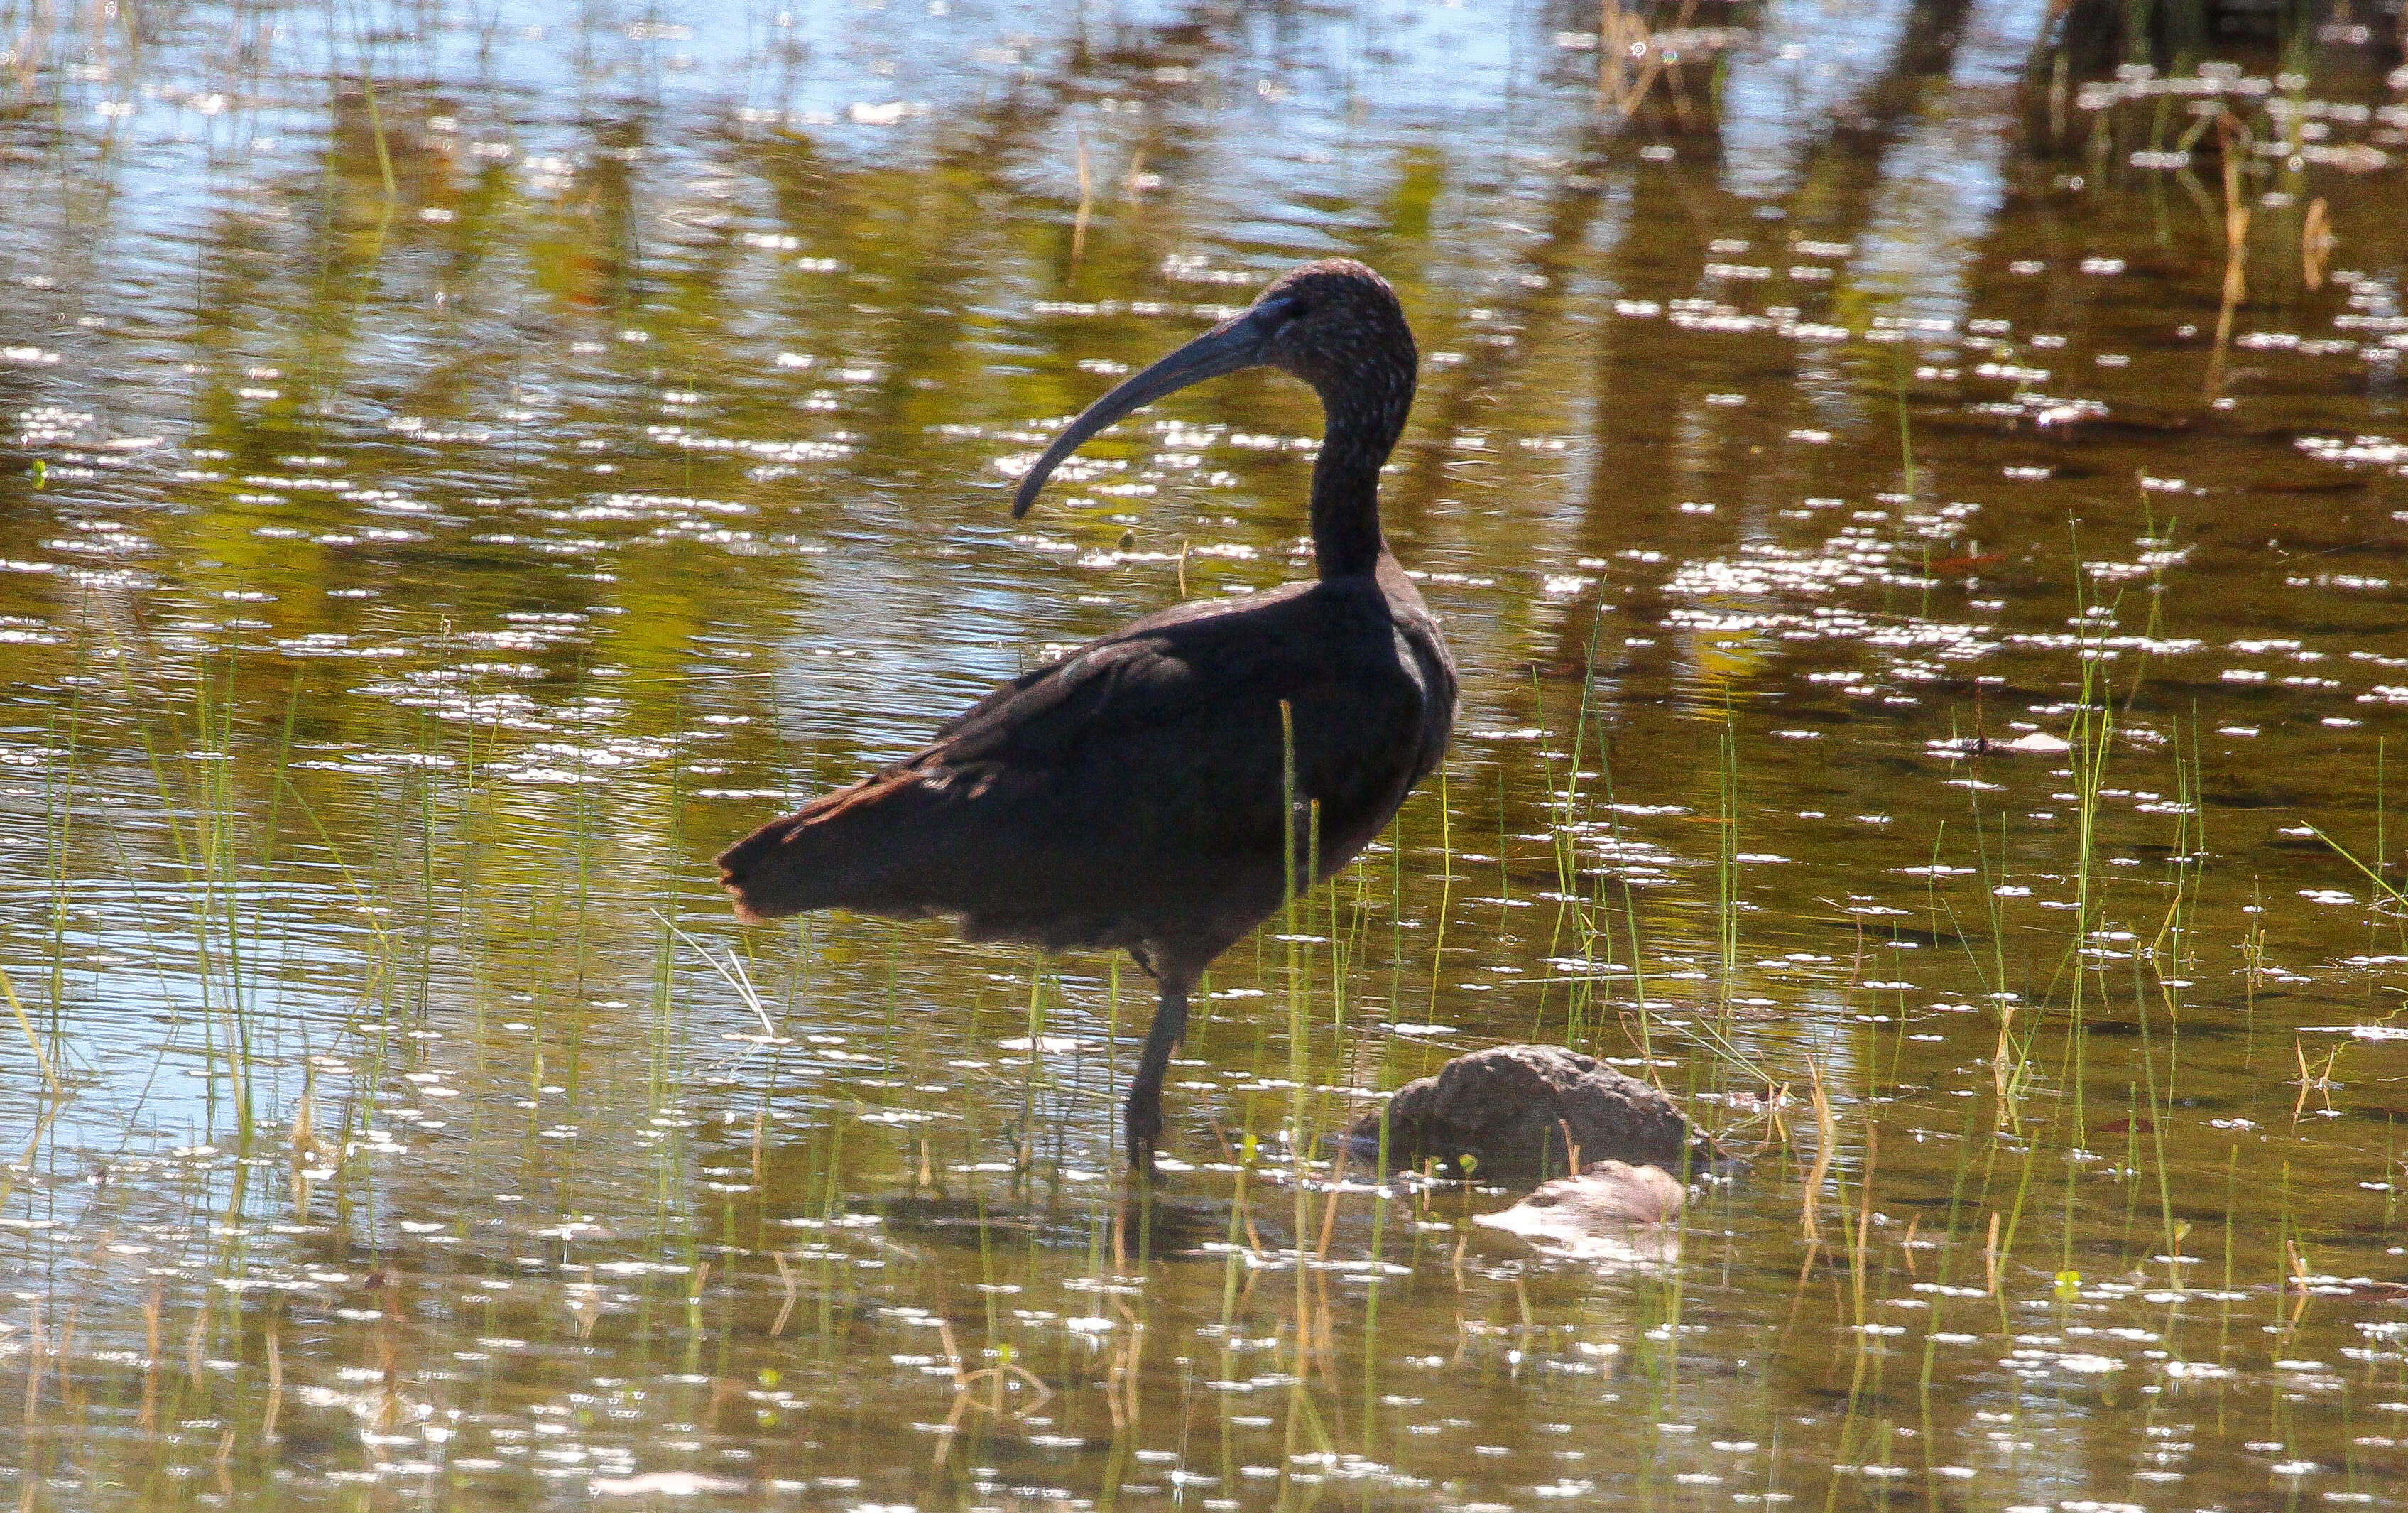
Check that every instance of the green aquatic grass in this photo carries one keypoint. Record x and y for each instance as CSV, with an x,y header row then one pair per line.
x,y
1325,1408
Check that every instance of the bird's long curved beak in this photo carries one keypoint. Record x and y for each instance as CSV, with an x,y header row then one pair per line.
x,y
1235,343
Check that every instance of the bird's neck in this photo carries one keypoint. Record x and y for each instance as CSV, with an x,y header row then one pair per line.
x,y
1346,485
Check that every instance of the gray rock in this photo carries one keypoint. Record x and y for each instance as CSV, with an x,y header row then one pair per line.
x,y
1514,1106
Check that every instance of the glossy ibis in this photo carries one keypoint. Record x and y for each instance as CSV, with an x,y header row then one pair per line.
x,y
1132,794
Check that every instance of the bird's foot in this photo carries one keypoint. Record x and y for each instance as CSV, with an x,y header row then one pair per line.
x,y
1144,1135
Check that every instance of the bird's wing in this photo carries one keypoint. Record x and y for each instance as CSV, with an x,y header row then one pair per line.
x,y
1138,656
1170,726
1121,684
1112,749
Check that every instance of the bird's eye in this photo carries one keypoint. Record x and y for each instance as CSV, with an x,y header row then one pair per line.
x,y
1283,310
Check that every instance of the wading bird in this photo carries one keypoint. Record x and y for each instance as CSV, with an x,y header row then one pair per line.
x,y
1161,791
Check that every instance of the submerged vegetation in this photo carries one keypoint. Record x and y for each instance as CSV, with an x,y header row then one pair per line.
x,y
1915,492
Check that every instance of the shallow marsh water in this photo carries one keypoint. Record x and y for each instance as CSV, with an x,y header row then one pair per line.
x,y
1933,636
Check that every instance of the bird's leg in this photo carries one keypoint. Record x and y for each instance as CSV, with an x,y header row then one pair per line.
x,y
1152,1063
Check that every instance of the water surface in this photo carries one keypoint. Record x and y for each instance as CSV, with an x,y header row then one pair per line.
x,y
1922,541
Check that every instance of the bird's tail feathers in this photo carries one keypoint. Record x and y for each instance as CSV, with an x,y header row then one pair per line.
x,y
852,848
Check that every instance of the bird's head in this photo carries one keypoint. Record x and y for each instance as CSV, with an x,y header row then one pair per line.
x,y
1335,323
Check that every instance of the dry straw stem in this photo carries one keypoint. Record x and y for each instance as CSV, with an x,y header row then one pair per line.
x,y
786,1280
2235,141
2317,241
25,1023
275,1383
1086,202
997,1378
1621,36
1826,1140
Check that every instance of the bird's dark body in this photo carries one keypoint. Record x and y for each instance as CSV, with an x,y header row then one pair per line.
x,y
1134,795
1130,795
